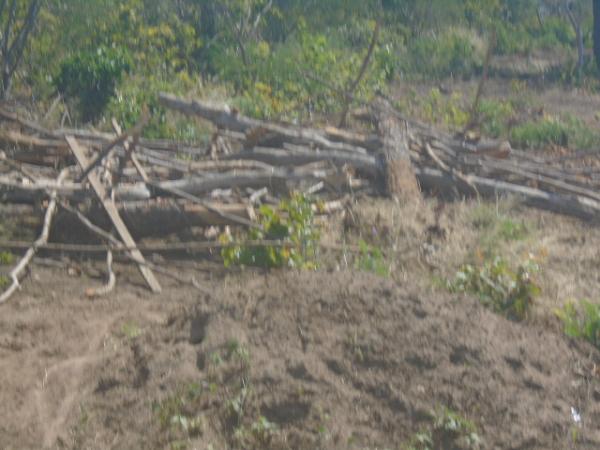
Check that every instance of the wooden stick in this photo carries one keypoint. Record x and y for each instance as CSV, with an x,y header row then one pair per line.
x,y
109,147
451,171
117,245
129,155
41,240
111,282
25,123
178,192
349,92
473,116
113,213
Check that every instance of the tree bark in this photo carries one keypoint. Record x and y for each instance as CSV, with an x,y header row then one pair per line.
x,y
398,174
596,7
12,50
576,23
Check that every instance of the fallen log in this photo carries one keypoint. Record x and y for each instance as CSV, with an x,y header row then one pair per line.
x,y
33,126
154,217
572,205
21,191
277,180
23,140
257,132
294,156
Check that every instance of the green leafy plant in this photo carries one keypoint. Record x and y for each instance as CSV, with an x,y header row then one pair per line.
x,y
130,330
258,435
193,426
90,77
448,430
447,111
371,259
496,228
135,93
178,414
581,321
512,230
6,258
563,131
494,116
451,53
4,281
292,225
544,132
499,287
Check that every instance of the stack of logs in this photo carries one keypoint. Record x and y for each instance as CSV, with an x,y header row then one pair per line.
x,y
122,185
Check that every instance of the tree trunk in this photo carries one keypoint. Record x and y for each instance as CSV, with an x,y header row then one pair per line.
x,y
398,175
596,5
576,23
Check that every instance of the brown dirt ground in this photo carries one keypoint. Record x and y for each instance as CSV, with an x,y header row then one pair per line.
x,y
335,359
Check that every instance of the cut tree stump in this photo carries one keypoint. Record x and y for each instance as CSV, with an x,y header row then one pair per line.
x,y
399,180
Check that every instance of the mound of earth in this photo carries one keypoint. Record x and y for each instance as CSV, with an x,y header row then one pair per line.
x,y
284,360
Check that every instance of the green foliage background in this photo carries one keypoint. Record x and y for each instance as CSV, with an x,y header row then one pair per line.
x,y
287,59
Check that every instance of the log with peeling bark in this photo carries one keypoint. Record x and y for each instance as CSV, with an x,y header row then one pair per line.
x,y
157,217
293,155
398,172
282,156
257,132
572,205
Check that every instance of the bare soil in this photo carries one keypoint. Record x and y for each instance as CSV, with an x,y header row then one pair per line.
x,y
326,360
334,360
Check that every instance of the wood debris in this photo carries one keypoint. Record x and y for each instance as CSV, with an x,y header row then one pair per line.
x,y
135,186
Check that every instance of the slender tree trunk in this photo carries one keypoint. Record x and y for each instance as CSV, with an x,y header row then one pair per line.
x,y
13,41
596,4
576,23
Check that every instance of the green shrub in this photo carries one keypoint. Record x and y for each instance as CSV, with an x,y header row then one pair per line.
x,y
526,36
499,287
292,225
555,32
135,93
537,134
582,321
6,258
567,131
494,116
443,55
90,77
371,259
445,110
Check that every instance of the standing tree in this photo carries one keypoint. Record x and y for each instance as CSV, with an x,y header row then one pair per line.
x,y
16,24
576,19
596,5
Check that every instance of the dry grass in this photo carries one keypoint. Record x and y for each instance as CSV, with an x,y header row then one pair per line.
x,y
429,241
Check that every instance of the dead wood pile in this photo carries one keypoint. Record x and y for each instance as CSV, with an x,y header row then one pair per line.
x,y
134,186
